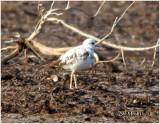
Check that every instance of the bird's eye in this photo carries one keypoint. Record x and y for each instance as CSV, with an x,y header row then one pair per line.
x,y
93,43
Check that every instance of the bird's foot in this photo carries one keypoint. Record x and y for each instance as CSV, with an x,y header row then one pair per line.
x,y
71,88
76,87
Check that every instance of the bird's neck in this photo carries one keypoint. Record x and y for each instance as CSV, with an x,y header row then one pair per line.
x,y
89,48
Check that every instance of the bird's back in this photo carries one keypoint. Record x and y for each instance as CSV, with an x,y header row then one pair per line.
x,y
77,58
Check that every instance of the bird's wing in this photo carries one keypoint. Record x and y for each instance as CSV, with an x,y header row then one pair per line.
x,y
74,55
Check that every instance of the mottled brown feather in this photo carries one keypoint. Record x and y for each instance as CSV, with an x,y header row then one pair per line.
x,y
53,64
58,62
85,55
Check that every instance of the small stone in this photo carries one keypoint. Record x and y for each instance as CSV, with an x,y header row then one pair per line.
x,y
48,78
54,78
135,101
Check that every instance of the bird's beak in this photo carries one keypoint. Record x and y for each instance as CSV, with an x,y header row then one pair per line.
x,y
99,41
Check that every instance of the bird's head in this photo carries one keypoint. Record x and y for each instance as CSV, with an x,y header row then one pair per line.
x,y
89,43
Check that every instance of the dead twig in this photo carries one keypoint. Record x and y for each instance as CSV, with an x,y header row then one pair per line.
x,y
25,53
68,5
154,55
143,61
99,8
122,53
110,65
52,5
106,61
42,21
39,6
115,23
125,12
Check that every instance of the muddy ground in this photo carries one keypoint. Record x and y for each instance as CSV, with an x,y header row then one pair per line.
x,y
28,93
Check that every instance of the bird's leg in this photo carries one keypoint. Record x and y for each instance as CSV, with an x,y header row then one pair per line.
x,y
71,81
75,80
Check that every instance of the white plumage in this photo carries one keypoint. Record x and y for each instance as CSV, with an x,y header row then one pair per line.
x,y
78,58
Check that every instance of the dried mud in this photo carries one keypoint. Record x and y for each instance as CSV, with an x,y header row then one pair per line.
x,y
29,94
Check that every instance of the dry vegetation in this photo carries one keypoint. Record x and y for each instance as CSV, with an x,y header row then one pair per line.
x,y
29,93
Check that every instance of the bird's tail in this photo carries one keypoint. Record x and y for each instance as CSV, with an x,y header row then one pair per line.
x,y
52,64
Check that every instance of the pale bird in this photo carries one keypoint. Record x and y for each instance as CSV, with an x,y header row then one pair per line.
x,y
77,58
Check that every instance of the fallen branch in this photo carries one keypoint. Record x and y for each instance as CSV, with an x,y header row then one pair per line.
x,y
13,54
48,50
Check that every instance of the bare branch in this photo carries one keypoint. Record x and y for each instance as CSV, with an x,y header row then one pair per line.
x,y
99,8
124,48
48,13
39,6
52,5
125,12
42,21
114,24
57,14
